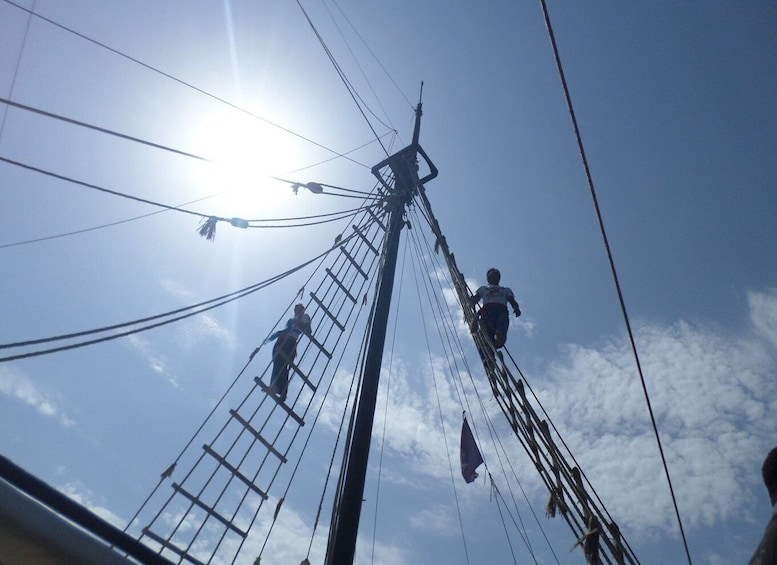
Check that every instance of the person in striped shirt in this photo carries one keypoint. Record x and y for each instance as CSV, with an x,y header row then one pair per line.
x,y
494,314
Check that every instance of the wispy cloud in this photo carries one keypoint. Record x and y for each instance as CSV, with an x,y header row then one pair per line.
x,y
190,333
156,361
198,327
438,519
19,386
87,499
713,397
763,313
712,393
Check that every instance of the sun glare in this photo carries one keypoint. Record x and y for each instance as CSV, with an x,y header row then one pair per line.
x,y
246,153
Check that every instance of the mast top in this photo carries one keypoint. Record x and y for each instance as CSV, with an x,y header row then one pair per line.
x,y
418,114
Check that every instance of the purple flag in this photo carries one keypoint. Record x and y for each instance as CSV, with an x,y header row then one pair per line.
x,y
470,454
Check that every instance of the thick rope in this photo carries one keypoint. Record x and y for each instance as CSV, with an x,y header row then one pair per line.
x,y
611,261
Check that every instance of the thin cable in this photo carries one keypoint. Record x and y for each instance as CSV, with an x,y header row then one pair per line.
x,y
374,56
17,66
184,83
442,420
388,396
103,130
342,75
448,323
592,190
57,236
207,305
176,208
391,133
361,70
450,356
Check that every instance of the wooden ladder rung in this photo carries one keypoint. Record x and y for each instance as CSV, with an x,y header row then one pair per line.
x,y
341,285
353,262
282,404
168,545
235,472
258,436
303,376
327,312
320,346
365,240
210,511
377,220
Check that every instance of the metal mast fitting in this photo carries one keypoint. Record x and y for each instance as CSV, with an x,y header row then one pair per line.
x,y
401,183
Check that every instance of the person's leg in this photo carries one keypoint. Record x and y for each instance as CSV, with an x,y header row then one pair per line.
x,y
501,323
489,318
278,364
288,350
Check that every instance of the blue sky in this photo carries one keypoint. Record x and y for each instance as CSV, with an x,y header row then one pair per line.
x,y
677,108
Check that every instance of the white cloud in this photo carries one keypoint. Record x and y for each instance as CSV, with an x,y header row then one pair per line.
x,y
86,498
200,326
763,313
156,361
288,541
713,398
438,519
19,386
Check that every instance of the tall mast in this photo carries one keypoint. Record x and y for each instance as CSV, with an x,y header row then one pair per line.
x,y
348,501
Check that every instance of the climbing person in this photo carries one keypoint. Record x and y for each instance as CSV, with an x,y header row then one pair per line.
x,y
494,314
285,349
766,553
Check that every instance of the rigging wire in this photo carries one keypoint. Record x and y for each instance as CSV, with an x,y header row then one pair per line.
x,y
453,337
16,67
102,226
354,379
339,214
509,385
442,418
445,314
393,135
134,139
409,103
100,129
345,81
389,374
361,70
143,142
197,309
497,496
591,487
170,469
313,425
613,270
184,83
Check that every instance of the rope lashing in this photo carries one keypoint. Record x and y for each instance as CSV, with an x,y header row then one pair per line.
x,y
313,187
590,541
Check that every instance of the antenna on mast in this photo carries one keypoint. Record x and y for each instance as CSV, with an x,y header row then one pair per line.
x,y
418,113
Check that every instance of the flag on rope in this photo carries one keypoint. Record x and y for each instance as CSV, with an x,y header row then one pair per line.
x,y
470,454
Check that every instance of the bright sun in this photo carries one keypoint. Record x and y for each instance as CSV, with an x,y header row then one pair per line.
x,y
246,152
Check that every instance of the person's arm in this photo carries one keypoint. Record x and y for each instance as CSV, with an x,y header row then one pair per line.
x,y
304,326
268,339
475,298
514,304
